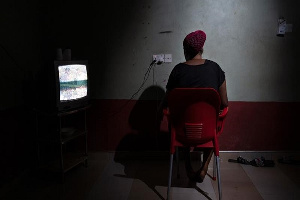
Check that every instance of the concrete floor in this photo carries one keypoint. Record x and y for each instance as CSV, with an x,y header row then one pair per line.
x,y
144,175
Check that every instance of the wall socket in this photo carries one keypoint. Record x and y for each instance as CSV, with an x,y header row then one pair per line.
x,y
162,58
168,58
159,57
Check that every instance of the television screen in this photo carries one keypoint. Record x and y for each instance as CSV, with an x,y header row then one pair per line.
x,y
72,81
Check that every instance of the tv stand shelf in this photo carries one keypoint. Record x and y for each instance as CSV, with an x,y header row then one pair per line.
x,y
61,139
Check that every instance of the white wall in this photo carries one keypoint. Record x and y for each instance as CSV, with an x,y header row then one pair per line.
x,y
241,37
119,38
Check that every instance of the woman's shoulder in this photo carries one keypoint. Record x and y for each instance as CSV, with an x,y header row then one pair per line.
x,y
187,64
180,65
211,62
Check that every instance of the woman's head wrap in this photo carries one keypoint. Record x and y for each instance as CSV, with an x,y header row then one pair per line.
x,y
193,43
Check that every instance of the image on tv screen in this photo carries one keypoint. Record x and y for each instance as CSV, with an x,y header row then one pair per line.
x,y
72,81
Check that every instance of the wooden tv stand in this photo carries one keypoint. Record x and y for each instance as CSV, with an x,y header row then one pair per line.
x,y
61,139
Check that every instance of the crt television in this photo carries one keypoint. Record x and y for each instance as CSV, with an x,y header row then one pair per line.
x,y
72,84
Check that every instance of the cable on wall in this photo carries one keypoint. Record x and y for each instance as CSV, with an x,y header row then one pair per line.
x,y
146,76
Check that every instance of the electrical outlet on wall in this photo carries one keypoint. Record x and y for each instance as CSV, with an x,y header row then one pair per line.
x,y
168,58
159,57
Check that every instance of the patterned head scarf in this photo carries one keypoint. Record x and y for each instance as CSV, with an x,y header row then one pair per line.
x,y
194,42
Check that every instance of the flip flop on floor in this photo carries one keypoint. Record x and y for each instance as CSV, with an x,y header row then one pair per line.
x,y
257,162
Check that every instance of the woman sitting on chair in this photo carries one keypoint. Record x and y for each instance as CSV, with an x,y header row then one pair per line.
x,y
198,72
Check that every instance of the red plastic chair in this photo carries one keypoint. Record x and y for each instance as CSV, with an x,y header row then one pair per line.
x,y
193,114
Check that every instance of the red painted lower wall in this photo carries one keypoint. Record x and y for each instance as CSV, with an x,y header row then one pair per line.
x,y
250,126
134,126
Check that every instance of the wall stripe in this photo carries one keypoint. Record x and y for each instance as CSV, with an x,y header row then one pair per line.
x,y
250,126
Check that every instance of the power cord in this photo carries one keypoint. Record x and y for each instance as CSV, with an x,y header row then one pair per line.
x,y
146,76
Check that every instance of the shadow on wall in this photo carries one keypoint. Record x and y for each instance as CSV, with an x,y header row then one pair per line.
x,y
148,142
145,120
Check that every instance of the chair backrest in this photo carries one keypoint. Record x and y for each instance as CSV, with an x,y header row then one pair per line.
x,y
194,114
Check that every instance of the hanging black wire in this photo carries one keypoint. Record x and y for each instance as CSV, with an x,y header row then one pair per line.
x,y
146,76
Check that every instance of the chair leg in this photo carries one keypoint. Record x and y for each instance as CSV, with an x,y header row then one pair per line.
x,y
219,177
177,161
214,168
170,175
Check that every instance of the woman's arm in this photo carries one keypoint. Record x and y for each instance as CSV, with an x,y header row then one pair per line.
x,y
223,95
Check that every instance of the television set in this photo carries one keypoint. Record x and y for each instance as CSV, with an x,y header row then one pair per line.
x,y
72,84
